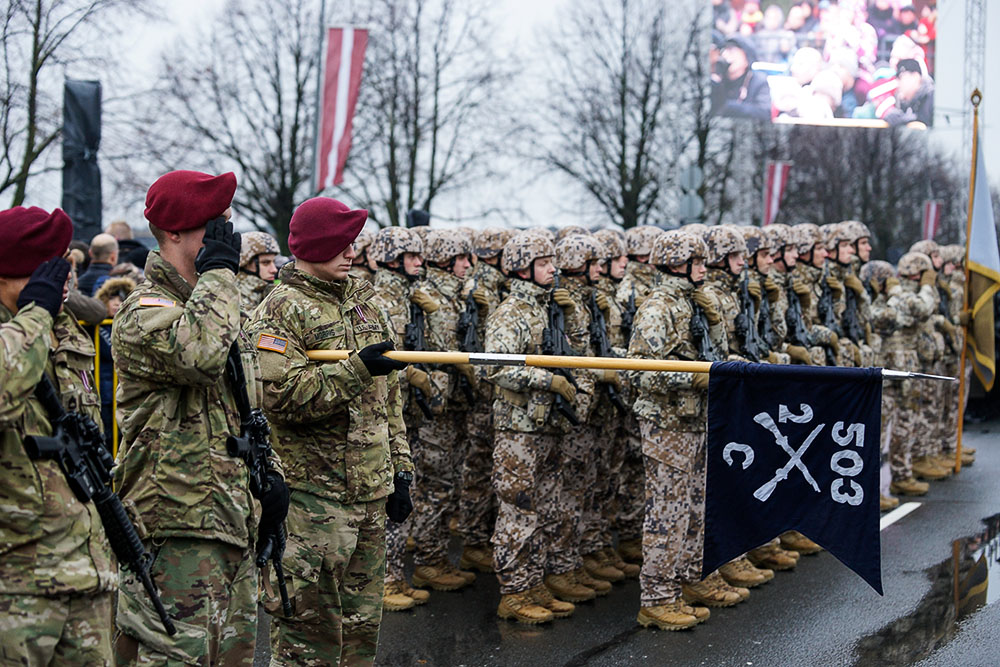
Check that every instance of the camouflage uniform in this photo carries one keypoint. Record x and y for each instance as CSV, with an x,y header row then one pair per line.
x,y
252,287
341,436
56,564
360,269
189,499
808,236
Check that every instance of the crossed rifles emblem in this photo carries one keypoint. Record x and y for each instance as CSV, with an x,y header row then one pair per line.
x,y
795,455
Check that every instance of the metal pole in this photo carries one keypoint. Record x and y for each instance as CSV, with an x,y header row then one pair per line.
x,y
320,66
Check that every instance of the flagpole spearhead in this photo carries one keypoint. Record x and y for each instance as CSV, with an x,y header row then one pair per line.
x,y
976,98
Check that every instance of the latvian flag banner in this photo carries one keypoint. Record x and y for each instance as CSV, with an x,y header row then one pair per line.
x,y
776,177
341,79
932,217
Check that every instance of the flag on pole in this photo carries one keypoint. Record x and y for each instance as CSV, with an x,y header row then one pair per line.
x,y
932,218
341,82
983,271
794,448
774,188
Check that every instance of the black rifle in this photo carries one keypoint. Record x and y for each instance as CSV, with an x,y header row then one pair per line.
x,y
797,332
944,303
253,447
699,332
77,445
599,339
746,323
468,338
765,325
852,324
827,313
628,315
413,340
554,342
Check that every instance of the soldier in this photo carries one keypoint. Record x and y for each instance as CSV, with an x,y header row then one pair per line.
x,y
765,291
672,413
640,277
859,236
362,266
396,252
57,572
571,230
806,283
913,296
784,257
170,343
477,503
526,457
953,277
841,253
339,429
442,439
258,251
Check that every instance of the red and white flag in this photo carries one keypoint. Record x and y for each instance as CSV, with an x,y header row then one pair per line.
x,y
932,217
776,178
341,79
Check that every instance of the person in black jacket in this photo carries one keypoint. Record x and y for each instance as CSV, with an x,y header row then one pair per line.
x,y
737,90
914,96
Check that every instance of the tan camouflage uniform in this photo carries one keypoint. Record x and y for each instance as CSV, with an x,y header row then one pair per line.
x,y
341,436
189,499
252,287
56,568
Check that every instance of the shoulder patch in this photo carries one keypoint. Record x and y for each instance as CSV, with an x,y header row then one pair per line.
x,y
272,343
158,301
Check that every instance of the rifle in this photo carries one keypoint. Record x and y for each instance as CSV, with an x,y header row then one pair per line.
x,y
852,325
253,446
554,342
944,302
827,313
468,337
699,332
413,339
797,332
77,445
599,339
628,315
765,325
746,326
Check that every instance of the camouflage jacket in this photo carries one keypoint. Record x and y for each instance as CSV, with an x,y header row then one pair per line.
x,y
912,306
812,276
50,543
339,431
392,295
721,286
442,330
176,407
489,279
252,290
613,315
640,277
361,272
863,301
523,401
662,330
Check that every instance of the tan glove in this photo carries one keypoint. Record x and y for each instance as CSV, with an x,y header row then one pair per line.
x,y
799,354
481,298
946,326
875,286
928,277
565,301
419,379
858,362
836,286
468,371
560,385
699,381
773,289
803,292
602,301
853,283
835,344
700,297
611,377
773,358
754,288
965,317
425,301
890,282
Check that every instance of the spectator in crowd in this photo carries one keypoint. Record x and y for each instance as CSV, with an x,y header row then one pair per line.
x,y
103,256
725,19
774,43
905,48
882,17
908,22
737,90
751,17
844,64
926,35
806,64
824,96
914,95
83,307
111,294
120,229
79,256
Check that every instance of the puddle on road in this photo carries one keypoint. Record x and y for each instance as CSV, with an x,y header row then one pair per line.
x,y
960,585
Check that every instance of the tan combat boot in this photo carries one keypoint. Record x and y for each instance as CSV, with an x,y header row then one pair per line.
x,y
523,609
909,487
886,503
543,598
394,598
667,617
440,577
924,468
773,558
702,593
469,577
630,570
599,567
419,595
945,461
566,587
742,573
793,540
716,581
477,558
599,586
631,551
701,613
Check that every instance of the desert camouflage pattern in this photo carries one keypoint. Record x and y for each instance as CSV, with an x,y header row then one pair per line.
x,y
441,326
253,244
721,286
722,240
640,278
438,465
639,240
811,276
63,629
392,296
252,290
391,242
524,248
443,244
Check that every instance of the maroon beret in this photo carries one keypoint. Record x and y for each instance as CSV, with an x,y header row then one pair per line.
x,y
30,236
321,228
181,200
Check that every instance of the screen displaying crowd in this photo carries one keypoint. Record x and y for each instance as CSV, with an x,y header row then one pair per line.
x,y
817,61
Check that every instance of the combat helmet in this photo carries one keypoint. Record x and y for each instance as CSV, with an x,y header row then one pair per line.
x,y
391,242
571,230
363,240
677,246
756,239
639,240
443,245
927,247
876,271
779,235
254,244
574,252
489,242
832,234
612,244
855,230
544,231
721,241
953,254
806,235
913,264
523,249
696,228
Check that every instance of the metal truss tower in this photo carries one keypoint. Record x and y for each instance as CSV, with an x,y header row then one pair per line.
x,y
975,63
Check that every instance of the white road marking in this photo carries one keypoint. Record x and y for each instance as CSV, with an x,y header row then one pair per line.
x,y
897,514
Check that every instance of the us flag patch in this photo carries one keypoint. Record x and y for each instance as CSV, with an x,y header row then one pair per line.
x,y
272,343
156,301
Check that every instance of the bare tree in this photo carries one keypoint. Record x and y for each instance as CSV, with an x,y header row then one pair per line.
x,y
41,39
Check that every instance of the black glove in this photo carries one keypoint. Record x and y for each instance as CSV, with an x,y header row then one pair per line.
x,y
45,287
398,505
376,364
273,504
220,248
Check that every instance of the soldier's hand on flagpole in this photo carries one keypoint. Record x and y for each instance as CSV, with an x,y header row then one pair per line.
x,y
965,318
699,381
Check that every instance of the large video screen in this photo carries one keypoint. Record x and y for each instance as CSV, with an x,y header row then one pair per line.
x,y
865,63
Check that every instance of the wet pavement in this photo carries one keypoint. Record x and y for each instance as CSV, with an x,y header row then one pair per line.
x,y
820,613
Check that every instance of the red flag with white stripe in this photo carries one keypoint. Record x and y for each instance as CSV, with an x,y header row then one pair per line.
x,y
341,80
932,217
774,188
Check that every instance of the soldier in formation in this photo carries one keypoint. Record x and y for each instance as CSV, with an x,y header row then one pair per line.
x,y
255,279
